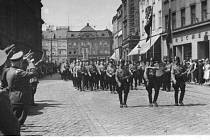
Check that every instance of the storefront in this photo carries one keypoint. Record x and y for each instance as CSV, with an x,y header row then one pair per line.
x,y
191,42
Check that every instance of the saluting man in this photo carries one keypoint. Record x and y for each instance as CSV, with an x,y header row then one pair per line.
x,y
122,78
16,81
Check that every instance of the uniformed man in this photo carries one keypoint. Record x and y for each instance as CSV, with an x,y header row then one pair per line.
x,y
110,72
32,66
83,74
101,75
87,75
98,73
9,125
152,82
134,74
178,76
92,74
122,78
16,81
167,76
78,75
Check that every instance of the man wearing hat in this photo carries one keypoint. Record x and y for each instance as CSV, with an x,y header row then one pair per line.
x,y
9,125
16,81
178,76
151,81
122,78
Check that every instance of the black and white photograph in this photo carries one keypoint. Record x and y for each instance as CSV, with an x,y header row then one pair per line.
x,y
105,68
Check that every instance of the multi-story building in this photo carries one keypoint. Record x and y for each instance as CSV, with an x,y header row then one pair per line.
x,y
117,34
130,23
21,24
115,49
191,28
152,47
89,43
119,29
54,43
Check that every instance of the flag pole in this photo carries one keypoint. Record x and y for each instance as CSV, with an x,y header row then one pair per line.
x,y
151,36
171,44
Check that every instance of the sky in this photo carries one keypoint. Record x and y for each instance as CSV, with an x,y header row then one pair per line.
x,y
77,13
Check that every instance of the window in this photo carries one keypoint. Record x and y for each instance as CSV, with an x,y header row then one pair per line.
x,y
204,10
153,1
174,20
193,14
153,22
166,22
143,31
160,18
75,44
182,17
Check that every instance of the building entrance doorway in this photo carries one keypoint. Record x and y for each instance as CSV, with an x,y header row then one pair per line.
x,y
203,49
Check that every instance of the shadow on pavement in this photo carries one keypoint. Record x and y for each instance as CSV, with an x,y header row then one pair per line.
x,y
186,105
46,101
36,110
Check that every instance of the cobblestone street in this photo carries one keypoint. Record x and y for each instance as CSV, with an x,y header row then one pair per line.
x,y
64,111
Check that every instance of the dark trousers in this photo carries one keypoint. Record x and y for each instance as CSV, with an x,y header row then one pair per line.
x,y
124,88
179,85
102,80
112,83
91,82
154,82
167,81
135,77
33,87
131,82
78,82
141,76
106,82
20,112
86,83
96,79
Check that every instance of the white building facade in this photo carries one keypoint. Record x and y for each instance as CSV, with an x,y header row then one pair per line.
x,y
151,48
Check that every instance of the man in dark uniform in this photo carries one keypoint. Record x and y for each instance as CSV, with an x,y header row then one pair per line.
x,y
152,82
9,125
92,74
101,68
178,76
110,72
122,78
32,66
83,74
167,76
16,81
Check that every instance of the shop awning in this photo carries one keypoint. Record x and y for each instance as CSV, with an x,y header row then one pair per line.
x,y
116,55
137,49
142,47
147,45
